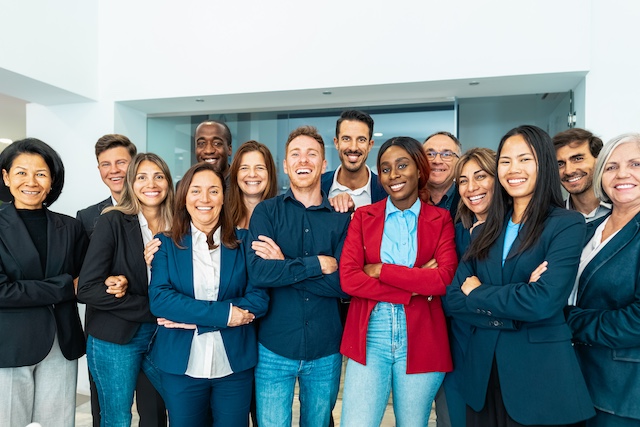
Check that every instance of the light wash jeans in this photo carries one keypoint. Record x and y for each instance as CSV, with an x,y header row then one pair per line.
x,y
115,369
275,381
366,388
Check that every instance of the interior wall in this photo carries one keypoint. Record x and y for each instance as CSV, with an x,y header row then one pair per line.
x,y
13,118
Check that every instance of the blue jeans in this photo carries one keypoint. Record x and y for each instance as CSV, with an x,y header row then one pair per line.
x,y
367,387
115,369
276,376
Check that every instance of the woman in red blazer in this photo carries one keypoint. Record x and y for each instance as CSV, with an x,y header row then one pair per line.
x,y
398,258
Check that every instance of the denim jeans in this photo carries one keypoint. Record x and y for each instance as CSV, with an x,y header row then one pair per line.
x,y
115,369
366,388
276,376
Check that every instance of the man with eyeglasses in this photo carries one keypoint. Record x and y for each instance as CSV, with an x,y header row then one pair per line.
x,y
443,151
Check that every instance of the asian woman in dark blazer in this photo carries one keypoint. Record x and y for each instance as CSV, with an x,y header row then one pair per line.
x,y
519,365
41,254
114,284
206,347
605,313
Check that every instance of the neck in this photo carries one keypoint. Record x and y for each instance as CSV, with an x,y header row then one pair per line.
x,y
353,180
404,204
621,215
152,215
437,192
116,197
519,206
250,203
310,196
585,202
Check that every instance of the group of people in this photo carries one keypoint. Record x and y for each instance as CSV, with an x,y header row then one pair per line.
x,y
463,278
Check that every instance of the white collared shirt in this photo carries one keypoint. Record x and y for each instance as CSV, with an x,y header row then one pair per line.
x,y
601,210
208,357
147,236
361,196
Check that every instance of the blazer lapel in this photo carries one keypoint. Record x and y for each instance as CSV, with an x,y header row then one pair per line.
x,y
372,229
184,265
57,244
227,264
16,239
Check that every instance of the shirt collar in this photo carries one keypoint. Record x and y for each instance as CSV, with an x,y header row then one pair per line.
x,y
592,214
355,192
143,221
324,205
391,208
198,236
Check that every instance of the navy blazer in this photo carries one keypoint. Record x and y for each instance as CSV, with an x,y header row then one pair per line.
x,y
606,323
37,305
89,215
116,248
172,297
521,325
377,191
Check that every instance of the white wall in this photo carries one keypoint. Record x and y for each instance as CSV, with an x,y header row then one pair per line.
x,y
13,118
54,43
200,47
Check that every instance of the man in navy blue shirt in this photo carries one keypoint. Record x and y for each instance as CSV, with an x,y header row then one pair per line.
x,y
297,239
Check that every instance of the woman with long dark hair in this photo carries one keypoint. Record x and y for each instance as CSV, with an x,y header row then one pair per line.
x,y
206,347
520,367
398,258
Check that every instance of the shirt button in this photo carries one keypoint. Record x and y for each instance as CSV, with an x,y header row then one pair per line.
x,y
306,253
306,323
404,243
306,230
306,299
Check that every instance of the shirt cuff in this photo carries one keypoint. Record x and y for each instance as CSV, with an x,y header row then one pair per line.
x,y
230,313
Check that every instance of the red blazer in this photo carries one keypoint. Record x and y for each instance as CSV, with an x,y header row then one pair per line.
x,y
428,344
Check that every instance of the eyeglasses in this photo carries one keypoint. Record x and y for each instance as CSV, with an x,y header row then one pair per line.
x,y
446,156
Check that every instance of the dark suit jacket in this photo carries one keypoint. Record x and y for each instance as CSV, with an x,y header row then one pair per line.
x,y
116,248
606,323
89,216
36,305
377,191
172,297
427,342
521,325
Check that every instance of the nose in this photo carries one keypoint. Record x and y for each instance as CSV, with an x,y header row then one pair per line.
x,y
569,168
472,185
252,172
394,173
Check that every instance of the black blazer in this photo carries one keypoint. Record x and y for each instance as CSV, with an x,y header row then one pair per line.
x,y
36,305
89,216
116,248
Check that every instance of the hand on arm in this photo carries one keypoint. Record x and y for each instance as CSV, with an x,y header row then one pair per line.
x,y
266,248
150,250
117,285
240,317
328,264
342,203
174,325
535,274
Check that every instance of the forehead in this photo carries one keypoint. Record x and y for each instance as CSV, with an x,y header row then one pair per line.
x,y
470,167
440,143
394,153
252,157
147,166
574,148
114,153
514,146
354,127
304,142
206,178
626,150
211,130
26,160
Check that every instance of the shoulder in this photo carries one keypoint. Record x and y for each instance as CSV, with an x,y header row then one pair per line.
x,y
434,213
94,210
564,216
327,180
62,220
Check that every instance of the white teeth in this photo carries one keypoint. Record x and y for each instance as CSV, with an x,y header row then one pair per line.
x,y
397,187
478,197
151,193
117,178
574,179
353,158
31,192
437,170
253,182
299,171
624,186
204,208
210,160
516,181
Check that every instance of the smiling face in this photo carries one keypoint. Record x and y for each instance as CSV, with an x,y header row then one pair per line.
x,y
212,146
204,200
304,163
112,164
29,181
621,177
150,185
576,165
399,177
441,175
353,144
517,169
253,177
475,186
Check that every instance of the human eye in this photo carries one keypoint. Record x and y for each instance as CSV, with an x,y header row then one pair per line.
x,y
104,165
463,181
446,154
159,177
385,169
261,168
141,177
431,154
560,165
41,174
200,144
402,166
635,163
121,162
611,167
578,159
480,177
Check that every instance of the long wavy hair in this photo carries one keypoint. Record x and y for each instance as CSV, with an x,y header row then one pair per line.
x,y
546,194
130,204
486,159
182,219
234,197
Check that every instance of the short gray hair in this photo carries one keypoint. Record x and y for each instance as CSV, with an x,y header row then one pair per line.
x,y
603,158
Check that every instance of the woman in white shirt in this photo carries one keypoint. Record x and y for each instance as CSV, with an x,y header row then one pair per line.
x,y
207,348
114,284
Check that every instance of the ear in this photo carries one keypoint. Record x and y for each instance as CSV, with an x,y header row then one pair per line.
x,y
284,166
324,165
5,177
335,142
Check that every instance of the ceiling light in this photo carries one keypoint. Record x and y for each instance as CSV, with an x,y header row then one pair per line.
x,y
474,83
326,92
199,100
378,134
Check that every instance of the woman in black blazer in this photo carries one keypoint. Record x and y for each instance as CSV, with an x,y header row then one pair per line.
x,y
604,315
114,285
519,366
40,257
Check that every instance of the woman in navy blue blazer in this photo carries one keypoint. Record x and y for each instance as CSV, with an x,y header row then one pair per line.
x,y
519,366
604,315
206,348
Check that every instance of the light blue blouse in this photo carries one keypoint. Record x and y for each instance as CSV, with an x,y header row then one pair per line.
x,y
509,237
400,236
